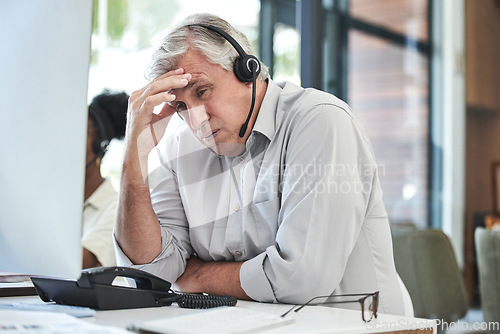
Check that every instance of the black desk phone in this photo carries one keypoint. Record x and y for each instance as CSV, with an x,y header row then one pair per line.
x,y
95,289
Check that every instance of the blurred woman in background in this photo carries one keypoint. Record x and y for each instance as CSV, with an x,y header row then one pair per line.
x,y
106,120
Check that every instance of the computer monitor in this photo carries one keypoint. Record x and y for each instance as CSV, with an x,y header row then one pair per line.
x,y
44,67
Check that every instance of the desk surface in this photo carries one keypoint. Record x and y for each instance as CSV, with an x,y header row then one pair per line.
x,y
312,319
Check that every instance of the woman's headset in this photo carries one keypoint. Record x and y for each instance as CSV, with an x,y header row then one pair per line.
x,y
100,145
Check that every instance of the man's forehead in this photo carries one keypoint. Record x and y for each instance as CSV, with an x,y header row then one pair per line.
x,y
196,79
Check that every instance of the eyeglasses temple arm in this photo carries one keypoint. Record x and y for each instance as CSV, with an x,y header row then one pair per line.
x,y
301,306
290,310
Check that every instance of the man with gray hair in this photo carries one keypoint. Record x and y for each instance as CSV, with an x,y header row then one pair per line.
x,y
265,191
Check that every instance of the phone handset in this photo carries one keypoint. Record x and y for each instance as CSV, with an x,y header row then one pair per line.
x,y
107,275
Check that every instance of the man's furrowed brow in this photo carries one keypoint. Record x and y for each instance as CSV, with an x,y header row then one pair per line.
x,y
192,83
189,86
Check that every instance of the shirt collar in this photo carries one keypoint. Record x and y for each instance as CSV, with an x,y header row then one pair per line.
x,y
266,119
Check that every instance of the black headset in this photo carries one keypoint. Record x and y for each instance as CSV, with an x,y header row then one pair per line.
x,y
246,67
100,145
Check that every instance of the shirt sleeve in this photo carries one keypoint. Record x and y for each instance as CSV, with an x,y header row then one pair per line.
x,y
326,189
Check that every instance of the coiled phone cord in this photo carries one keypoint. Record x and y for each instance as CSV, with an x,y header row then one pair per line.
x,y
199,301
189,300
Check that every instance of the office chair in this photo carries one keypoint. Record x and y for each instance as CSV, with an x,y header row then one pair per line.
x,y
427,265
488,263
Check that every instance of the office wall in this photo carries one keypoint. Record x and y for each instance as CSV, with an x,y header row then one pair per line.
x,y
483,49
482,118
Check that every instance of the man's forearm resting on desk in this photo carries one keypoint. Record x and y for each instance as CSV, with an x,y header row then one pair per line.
x,y
217,278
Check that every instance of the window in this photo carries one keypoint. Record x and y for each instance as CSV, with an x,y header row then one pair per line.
x,y
374,54
388,88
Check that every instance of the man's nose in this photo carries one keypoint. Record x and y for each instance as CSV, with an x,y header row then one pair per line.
x,y
197,115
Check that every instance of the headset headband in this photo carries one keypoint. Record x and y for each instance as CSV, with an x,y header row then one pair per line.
x,y
245,65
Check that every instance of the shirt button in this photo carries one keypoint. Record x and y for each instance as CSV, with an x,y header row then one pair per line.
x,y
236,207
241,159
238,253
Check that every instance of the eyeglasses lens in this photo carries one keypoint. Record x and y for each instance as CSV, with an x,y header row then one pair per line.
x,y
369,308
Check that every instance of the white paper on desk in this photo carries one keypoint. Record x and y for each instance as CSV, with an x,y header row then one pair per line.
x,y
23,284
49,322
219,320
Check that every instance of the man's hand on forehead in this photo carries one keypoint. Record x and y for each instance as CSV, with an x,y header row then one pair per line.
x,y
142,118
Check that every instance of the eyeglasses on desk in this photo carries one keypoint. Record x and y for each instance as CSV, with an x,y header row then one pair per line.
x,y
367,301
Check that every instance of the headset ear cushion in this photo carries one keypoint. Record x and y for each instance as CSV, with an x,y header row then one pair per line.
x,y
100,146
242,67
